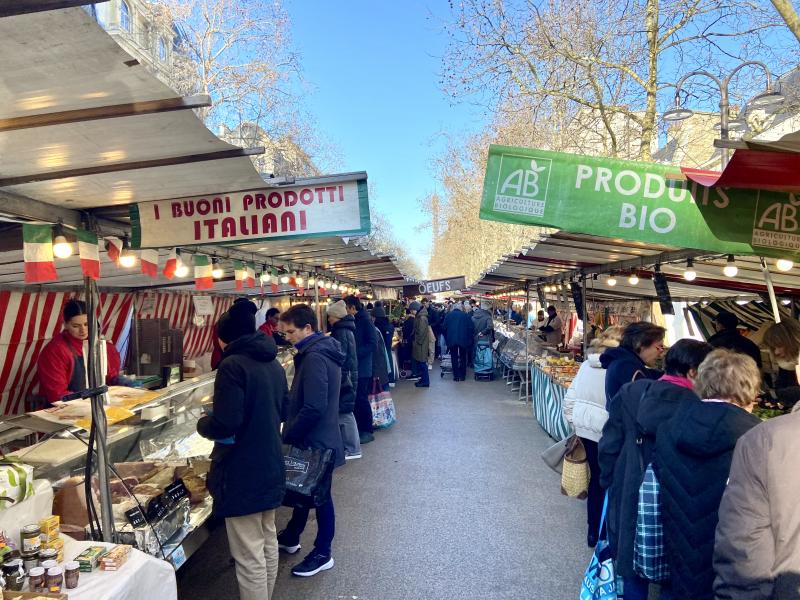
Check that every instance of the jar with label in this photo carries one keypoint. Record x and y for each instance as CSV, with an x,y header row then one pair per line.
x,y
72,572
36,579
49,564
54,580
30,561
48,554
31,538
13,574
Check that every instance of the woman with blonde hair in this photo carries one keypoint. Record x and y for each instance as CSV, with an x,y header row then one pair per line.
x,y
585,409
693,459
783,341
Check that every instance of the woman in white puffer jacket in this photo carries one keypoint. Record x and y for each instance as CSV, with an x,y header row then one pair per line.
x,y
585,409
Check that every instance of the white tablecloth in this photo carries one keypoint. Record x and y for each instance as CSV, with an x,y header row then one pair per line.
x,y
142,577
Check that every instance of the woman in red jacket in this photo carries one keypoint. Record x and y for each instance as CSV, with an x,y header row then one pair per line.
x,y
61,365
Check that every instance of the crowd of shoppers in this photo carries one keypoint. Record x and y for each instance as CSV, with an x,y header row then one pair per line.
x,y
726,483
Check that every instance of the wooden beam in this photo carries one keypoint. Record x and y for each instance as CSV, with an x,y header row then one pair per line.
x,y
130,166
104,112
23,7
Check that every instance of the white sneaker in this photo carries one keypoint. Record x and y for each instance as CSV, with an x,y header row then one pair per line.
x,y
430,367
352,455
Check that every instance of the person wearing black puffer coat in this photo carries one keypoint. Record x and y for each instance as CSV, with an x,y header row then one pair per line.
x,y
343,330
692,460
365,350
626,447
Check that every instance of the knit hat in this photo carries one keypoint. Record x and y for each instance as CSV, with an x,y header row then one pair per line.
x,y
379,312
240,320
415,306
338,310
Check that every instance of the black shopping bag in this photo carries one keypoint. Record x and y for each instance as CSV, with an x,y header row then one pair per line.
x,y
308,476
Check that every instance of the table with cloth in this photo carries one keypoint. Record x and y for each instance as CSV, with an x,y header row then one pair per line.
x,y
547,399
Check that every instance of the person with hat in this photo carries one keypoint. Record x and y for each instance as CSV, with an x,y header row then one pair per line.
x,y
365,350
728,336
250,390
343,330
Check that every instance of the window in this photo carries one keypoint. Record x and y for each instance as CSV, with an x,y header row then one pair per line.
x,y
124,16
162,49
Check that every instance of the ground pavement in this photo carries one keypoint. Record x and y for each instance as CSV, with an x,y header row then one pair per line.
x,y
452,503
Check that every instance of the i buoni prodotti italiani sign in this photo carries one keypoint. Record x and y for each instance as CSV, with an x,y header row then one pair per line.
x,y
313,210
636,201
435,286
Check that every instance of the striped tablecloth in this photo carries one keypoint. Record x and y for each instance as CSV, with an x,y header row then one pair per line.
x,y
547,400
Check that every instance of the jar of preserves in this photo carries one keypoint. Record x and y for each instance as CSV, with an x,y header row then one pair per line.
x,y
31,539
13,574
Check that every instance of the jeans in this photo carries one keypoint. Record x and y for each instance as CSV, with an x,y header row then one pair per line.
x,y
459,356
326,526
594,503
362,410
349,431
254,548
421,369
636,588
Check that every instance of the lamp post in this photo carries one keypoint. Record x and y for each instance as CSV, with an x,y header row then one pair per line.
x,y
766,98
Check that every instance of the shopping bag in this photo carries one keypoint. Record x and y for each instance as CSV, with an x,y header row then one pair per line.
x,y
16,481
308,476
649,555
383,413
575,470
553,457
599,581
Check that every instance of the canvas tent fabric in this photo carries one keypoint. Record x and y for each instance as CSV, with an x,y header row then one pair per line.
x,y
752,315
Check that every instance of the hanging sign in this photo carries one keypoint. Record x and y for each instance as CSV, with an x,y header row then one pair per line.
x,y
340,208
203,305
436,286
644,202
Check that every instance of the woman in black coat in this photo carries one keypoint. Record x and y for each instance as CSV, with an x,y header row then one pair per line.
x,y
626,448
387,333
692,459
641,346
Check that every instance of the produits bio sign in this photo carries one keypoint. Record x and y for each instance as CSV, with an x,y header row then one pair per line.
x,y
636,201
340,208
436,286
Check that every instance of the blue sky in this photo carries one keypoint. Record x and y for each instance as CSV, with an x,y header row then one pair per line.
x,y
374,72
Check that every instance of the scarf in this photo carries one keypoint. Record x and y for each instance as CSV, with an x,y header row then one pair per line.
x,y
678,380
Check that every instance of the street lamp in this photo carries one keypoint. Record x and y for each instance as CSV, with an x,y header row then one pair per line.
x,y
763,100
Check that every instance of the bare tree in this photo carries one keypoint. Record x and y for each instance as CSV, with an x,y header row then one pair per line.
x,y
382,240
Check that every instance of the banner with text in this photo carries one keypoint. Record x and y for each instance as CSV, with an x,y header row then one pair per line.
x,y
340,208
436,286
637,201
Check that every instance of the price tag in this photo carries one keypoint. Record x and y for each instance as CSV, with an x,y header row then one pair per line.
x,y
175,492
178,557
135,517
157,509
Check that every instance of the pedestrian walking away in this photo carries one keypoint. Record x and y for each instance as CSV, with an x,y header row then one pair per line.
x,y
459,333
421,345
343,329
365,351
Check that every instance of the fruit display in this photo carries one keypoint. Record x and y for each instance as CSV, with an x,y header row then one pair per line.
x,y
562,368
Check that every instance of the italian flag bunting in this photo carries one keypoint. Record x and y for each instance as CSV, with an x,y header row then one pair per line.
x,y
239,274
89,251
38,253
149,260
172,264
114,247
273,280
203,280
251,274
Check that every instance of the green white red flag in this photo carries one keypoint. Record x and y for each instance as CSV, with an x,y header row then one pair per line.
x,y
203,279
251,275
89,251
114,248
38,253
149,260
239,273
171,265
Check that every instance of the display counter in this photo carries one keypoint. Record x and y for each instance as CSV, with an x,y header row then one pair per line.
x,y
158,468
550,378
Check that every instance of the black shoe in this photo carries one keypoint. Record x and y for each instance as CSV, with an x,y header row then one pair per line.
x,y
591,540
366,438
313,564
420,384
287,545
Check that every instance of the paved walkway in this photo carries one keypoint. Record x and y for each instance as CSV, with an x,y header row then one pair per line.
x,y
452,503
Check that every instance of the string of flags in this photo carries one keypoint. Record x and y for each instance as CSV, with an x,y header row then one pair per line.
x,y
43,243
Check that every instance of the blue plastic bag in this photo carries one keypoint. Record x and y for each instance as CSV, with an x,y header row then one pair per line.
x,y
599,580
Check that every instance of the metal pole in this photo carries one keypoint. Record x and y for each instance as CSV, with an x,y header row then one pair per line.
x,y
317,308
723,122
528,390
771,290
585,320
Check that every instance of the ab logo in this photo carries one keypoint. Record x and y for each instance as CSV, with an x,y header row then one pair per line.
x,y
522,185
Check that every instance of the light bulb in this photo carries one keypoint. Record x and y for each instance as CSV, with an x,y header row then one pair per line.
x,y
285,278
264,277
127,259
689,274
311,281
217,272
326,284
356,291
334,286
299,280
782,264
61,247
633,279
731,270
181,270
612,281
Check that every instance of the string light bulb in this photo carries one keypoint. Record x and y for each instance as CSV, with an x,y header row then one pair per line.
x,y
611,281
217,272
285,278
633,279
61,247
334,286
730,269
127,259
299,279
312,280
689,274
181,270
782,264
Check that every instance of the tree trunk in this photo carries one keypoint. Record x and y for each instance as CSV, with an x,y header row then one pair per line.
x,y
789,14
649,124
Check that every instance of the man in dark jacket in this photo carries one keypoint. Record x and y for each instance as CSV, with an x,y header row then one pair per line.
x,y
365,350
728,336
458,332
387,332
343,329
312,421
249,392
626,448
